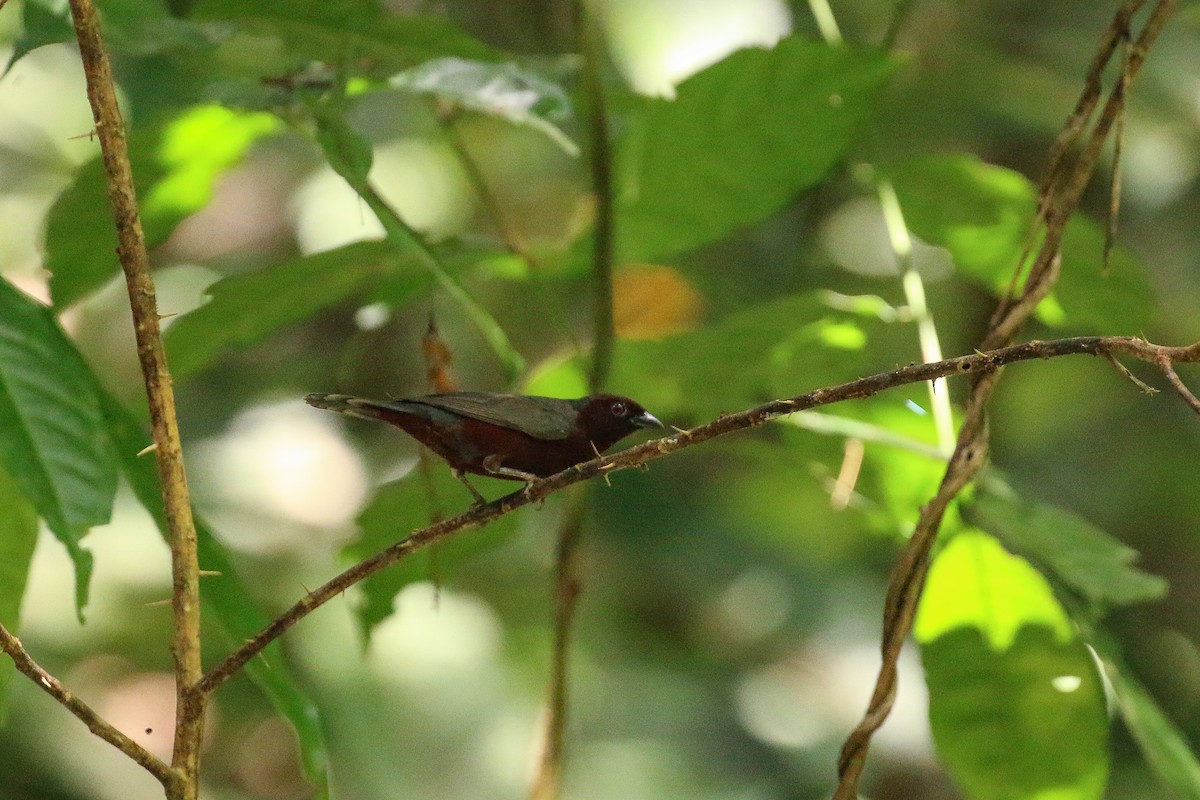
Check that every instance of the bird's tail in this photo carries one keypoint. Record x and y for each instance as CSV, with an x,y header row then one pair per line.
x,y
345,404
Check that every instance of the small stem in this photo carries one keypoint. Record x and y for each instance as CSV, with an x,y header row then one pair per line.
x,y
914,295
94,722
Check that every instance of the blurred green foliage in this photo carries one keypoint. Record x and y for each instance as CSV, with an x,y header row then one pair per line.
x,y
320,179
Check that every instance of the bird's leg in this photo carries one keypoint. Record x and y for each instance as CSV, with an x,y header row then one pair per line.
x,y
492,465
479,499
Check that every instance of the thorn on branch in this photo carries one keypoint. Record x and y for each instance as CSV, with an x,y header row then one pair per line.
x,y
1134,379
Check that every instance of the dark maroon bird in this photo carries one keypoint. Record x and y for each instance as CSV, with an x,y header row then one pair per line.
x,y
515,437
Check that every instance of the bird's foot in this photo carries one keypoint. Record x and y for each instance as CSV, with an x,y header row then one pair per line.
x,y
479,499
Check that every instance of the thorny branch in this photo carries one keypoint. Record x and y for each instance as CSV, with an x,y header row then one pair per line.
x,y
1061,190
131,249
977,364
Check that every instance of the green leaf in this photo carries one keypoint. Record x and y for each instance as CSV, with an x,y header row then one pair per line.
x,y
982,213
43,22
741,139
247,308
775,349
1067,548
175,167
408,504
1166,748
226,599
337,30
974,583
52,436
18,535
1028,722
506,90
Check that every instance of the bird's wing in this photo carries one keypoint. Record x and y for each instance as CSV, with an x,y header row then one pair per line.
x,y
539,417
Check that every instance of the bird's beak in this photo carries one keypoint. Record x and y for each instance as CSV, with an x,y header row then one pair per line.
x,y
645,420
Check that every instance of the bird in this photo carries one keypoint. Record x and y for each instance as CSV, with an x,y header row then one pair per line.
x,y
508,436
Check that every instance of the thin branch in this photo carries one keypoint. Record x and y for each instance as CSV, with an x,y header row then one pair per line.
x,y
1165,365
131,248
547,783
1056,203
94,722
976,364
602,186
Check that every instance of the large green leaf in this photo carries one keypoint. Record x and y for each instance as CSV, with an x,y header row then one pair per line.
x,y
740,140
225,598
412,502
776,349
1014,698
1027,723
334,30
982,213
18,535
247,308
52,435
175,166
1068,548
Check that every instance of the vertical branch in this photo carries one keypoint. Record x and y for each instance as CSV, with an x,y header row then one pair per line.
x,y
591,45
547,783
135,262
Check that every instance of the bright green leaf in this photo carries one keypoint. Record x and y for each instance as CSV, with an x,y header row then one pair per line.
x,y
247,308
226,599
974,583
506,90
1068,548
18,535
52,437
982,213
1028,723
174,166
741,139
408,504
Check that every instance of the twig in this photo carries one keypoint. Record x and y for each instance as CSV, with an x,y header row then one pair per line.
x,y
1165,365
1059,197
976,364
131,249
95,723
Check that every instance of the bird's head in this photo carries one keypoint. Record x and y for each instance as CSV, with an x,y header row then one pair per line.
x,y
608,418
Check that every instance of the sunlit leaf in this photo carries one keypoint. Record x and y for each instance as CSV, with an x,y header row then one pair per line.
x,y
52,435
1069,548
740,140
982,213
18,535
174,166
974,583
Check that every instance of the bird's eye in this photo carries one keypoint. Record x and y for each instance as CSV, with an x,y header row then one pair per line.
x,y
618,409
